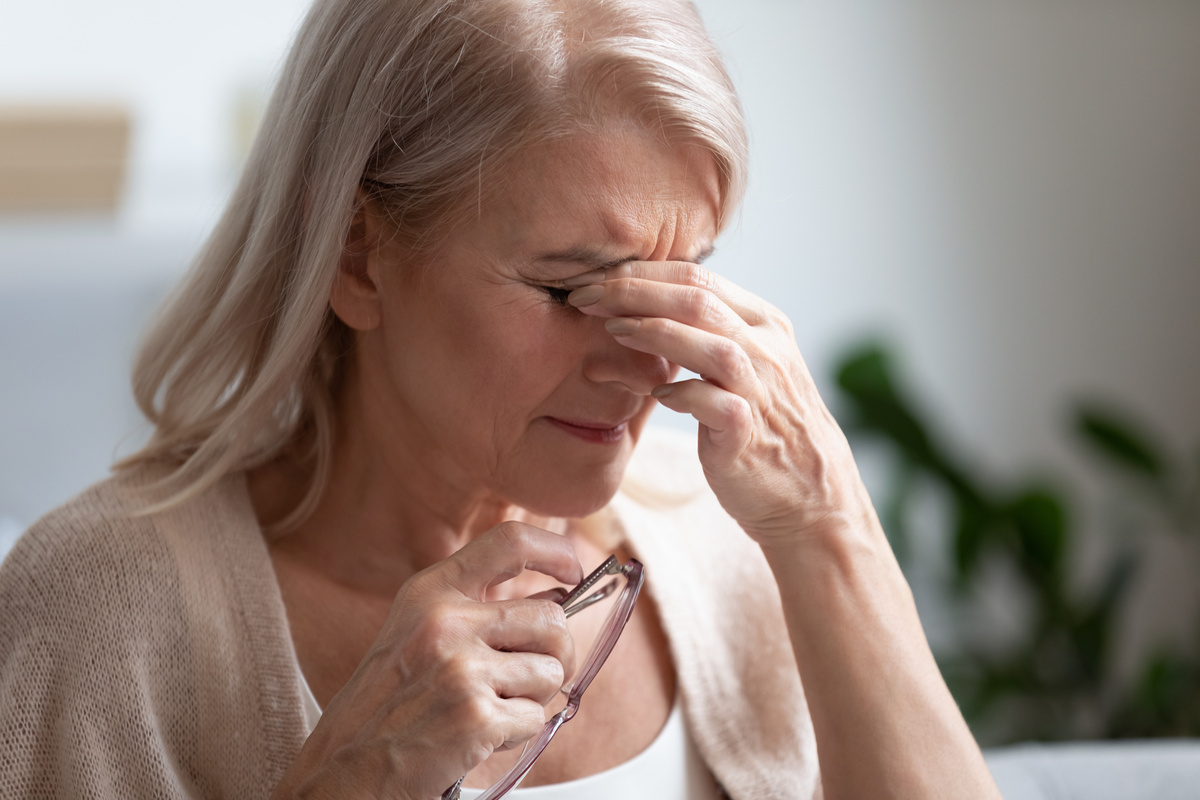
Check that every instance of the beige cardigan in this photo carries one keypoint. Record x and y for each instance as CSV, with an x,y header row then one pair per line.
x,y
150,657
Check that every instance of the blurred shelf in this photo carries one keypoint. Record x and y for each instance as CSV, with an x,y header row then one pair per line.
x,y
163,220
62,157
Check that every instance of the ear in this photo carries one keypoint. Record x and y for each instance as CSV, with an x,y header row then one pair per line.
x,y
355,296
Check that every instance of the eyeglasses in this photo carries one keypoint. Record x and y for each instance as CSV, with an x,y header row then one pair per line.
x,y
627,578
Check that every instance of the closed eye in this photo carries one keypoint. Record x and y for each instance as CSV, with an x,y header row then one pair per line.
x,y
556,294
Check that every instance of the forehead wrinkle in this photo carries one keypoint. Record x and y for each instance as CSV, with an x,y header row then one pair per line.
x,y
675,229
646,201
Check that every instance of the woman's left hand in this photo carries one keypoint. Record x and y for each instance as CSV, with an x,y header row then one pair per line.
x,y
772,452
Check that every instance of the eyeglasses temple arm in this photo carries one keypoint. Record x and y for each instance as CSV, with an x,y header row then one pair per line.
x,y
611,566
455,791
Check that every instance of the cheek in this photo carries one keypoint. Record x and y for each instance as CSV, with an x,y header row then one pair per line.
x,y
519,351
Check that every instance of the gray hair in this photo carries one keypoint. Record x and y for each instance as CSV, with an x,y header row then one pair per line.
x,y
417,102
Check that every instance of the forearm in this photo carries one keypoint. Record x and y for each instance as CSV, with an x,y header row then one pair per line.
x,y
885,722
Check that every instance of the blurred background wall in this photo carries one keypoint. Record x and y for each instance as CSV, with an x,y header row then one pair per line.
x,y
1008,193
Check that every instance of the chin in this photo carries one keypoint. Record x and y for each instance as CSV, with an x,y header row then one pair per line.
x,y
574,495
576,504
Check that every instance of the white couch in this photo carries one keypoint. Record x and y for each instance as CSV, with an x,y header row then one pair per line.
x,y
1142,770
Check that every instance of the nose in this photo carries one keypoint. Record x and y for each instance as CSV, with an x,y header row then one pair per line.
x,y
609,361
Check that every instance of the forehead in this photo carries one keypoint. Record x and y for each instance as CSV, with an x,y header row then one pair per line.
x,y
619,192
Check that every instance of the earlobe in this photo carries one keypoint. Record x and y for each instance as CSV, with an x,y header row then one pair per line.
x,y
355,295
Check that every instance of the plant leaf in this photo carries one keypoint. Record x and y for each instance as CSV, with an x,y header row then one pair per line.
x,y
1119,441
866,378
1040,519
1093,632
972,526
867,371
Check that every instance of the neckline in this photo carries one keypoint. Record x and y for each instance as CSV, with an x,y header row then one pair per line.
x,y
672,730
626,772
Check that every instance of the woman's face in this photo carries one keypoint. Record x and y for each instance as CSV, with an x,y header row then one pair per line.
x,y
480,369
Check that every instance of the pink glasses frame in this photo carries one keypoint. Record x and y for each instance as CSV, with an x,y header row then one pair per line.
x,y
575,601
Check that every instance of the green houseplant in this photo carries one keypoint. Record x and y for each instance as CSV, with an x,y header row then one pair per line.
x,y
1056,679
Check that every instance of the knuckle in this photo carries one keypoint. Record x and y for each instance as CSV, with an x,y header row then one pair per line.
x,y
707,280
476,712
555,674
739,414
554,619
730,359
456,676
512,615
710,312
529,719
422,586
512,535
438,626
550,622
778,319
535,720
551,615
693,275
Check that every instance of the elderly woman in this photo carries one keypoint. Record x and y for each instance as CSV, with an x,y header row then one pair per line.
x,y
395,409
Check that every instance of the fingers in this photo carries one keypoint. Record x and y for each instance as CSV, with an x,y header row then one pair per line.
x,y
726,415
752,309
555,595
716,358
526,718
691,305
452,677
505,552
527,675
494,702
527,626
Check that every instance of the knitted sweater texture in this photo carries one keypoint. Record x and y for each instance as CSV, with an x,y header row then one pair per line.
x,y
149,656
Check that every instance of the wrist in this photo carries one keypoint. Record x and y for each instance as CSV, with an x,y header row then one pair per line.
x,y
849,526
839,554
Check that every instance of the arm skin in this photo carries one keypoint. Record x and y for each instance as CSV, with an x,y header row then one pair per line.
x,y
885,722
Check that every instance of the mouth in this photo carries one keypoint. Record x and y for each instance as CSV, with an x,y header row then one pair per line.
x,y
594,432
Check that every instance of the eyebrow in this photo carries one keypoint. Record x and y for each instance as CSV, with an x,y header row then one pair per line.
x,y
594,259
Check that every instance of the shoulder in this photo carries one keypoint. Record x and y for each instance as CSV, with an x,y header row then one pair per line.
x,y
75,551
98,546
88,587
86,610
147,643
97,564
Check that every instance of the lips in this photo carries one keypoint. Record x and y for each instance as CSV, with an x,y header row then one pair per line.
x,y
594,432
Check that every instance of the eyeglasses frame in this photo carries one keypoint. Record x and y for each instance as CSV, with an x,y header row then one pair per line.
x,y
573,602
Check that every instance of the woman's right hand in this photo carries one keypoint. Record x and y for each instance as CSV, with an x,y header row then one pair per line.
x,y
450,678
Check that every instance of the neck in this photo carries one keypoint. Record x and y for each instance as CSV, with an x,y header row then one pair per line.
x,y
390,509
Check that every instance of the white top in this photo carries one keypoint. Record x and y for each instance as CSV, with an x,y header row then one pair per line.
x,y
669,769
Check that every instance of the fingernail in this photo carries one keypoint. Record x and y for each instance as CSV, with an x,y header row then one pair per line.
x,y
585,296
556,594
586,279
659,392
622,326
